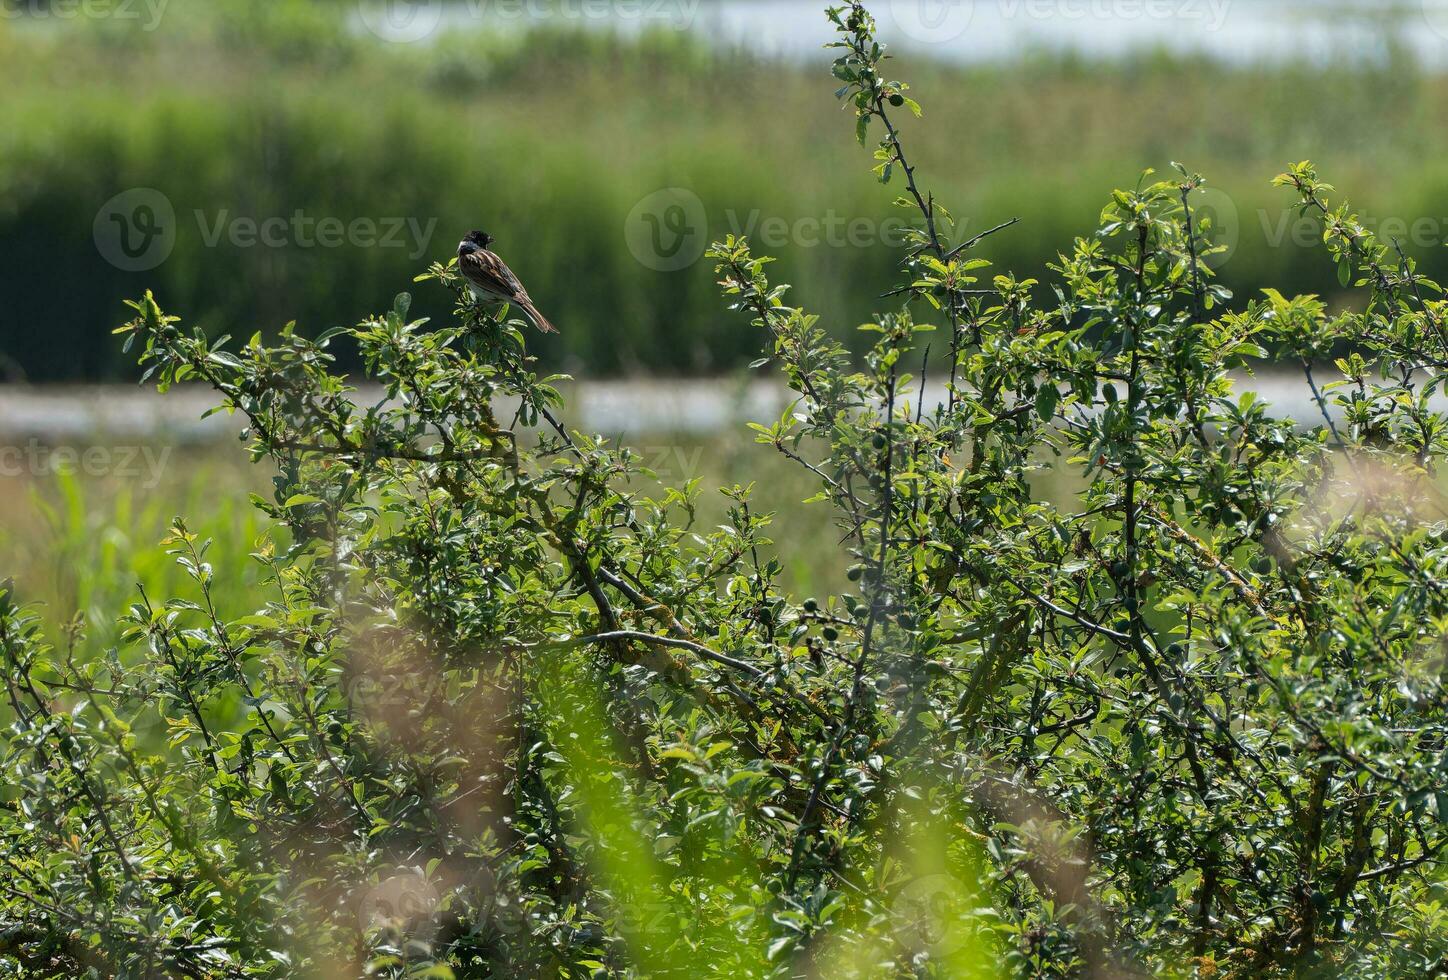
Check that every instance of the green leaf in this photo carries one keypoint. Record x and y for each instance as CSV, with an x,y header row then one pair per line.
x,y
1046,400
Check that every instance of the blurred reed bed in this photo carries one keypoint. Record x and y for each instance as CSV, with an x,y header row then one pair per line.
x,y
83,545
548,137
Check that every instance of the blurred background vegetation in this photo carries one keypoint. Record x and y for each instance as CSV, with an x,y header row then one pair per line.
x,y
549,131
83,544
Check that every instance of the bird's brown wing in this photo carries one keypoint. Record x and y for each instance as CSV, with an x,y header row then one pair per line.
x,y
491,274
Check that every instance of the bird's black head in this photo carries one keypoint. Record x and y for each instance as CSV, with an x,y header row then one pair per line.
x,y
475,240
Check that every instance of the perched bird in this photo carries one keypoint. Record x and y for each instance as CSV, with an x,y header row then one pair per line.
x,y
492,281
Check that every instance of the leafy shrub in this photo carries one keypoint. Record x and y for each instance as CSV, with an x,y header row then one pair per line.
x,y
504,716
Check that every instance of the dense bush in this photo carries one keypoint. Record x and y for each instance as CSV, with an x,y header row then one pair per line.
x,y
504,716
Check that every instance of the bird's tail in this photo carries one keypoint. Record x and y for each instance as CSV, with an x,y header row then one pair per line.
x,y
539,320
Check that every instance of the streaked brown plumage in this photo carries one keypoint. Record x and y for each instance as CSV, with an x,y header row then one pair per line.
x,y
492,281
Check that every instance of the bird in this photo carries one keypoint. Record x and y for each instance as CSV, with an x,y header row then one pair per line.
x,y
492,281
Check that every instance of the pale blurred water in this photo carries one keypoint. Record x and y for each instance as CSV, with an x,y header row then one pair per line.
x,y
624,409
1321,31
